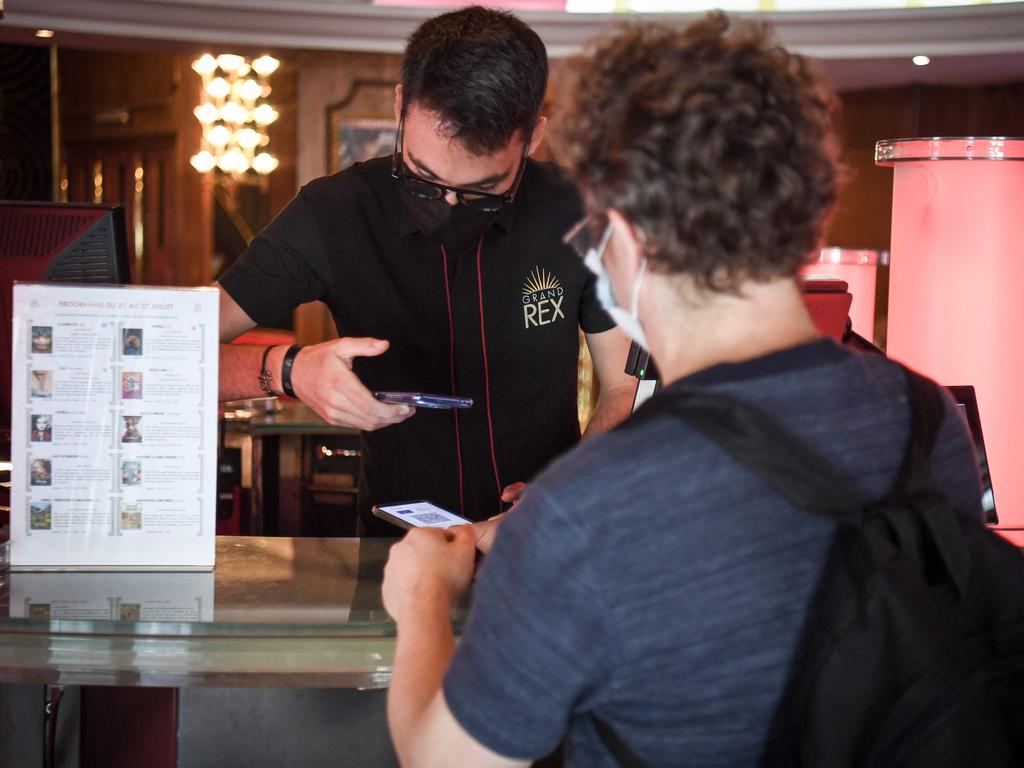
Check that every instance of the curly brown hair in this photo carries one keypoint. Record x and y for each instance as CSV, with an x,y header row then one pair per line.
x,y
713,141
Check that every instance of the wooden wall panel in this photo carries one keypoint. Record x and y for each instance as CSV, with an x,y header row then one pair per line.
x,y
129,108
996,110
325,80
863,216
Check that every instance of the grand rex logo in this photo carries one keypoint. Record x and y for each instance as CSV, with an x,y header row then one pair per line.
x,y
542,298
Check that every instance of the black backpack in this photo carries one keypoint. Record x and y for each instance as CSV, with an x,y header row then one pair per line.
x,y
912,652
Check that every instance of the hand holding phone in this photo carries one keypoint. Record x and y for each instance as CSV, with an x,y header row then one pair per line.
x,y
423,400
418,514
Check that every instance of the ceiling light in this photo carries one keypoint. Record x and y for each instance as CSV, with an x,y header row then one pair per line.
x,y
205,65
230,62
265,65
264,163
264,114
44,33
921,61
206,113
230,116
203,161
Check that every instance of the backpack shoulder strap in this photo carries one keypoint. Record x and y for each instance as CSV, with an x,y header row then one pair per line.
x,y
946,539
762,445
797,472
927,409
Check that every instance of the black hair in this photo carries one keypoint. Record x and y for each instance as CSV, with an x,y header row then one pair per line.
x,y
483,71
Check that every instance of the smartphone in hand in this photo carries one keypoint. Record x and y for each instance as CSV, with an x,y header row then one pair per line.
x,y
423,400
418,514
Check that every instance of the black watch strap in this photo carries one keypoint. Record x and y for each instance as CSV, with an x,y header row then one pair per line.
x,y
286,369
265,377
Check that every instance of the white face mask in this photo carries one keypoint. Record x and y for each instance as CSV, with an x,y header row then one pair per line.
x,y
628,321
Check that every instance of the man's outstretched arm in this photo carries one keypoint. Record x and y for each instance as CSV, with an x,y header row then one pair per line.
x,y
322,375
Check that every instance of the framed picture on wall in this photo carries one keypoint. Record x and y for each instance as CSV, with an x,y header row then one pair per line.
x,y
361,138
362,125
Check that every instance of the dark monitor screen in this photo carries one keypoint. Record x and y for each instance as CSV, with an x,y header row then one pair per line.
x,y
968,401
64,242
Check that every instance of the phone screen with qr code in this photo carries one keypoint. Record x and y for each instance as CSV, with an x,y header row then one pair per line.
x,y
418,514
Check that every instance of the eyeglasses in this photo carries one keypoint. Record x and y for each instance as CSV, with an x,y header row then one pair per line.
x,y
589,232
429,190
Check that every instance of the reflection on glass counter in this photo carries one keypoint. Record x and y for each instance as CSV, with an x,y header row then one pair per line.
x,y
134,597
276,612
274,585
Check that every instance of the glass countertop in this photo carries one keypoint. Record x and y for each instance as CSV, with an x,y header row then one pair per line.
x,y
277,416
276,611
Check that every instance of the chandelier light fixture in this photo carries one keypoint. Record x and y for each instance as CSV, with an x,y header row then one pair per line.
x,y
235,114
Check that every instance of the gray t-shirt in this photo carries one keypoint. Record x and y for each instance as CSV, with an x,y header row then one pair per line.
x,y
648,579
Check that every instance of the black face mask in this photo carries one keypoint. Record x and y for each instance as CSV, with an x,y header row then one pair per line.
x,y
454,226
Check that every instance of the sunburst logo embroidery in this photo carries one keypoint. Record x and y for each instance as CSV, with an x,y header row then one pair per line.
x,y
542,298
540,280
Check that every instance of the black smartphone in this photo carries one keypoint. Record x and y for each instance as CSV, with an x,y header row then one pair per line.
x,y
423,400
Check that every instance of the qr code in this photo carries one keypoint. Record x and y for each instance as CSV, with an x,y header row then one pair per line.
x,y
430,518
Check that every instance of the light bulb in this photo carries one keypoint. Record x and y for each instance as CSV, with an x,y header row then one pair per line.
x,y
229,62
264,163
203,161
250,90
218,136
218,88
204,65
233,161
247,138
264,114
239,162
265,65
205,113
233,112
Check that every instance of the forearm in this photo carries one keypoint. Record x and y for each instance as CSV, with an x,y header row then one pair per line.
x,y
240,370
422,653
613,407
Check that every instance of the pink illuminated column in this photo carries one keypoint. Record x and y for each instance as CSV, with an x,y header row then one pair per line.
x,y
956,284
859,268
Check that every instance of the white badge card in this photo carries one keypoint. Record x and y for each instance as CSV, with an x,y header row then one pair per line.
x,y
114,427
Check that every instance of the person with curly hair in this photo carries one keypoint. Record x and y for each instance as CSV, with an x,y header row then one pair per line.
x,y
648,585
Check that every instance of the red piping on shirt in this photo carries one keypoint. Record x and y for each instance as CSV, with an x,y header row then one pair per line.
x,y
451,367
487,375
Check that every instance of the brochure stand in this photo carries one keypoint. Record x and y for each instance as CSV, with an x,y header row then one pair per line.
x,y
114,427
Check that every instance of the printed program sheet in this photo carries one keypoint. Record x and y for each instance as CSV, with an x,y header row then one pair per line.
x,y
114,427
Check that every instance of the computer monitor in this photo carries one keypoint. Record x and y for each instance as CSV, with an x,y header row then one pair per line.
x,y
63,242
968,401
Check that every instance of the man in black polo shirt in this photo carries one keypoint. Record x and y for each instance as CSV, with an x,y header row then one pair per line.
x,y
444,269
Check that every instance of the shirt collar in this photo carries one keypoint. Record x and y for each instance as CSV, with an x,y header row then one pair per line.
x,y
812,354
